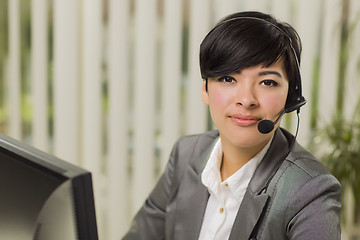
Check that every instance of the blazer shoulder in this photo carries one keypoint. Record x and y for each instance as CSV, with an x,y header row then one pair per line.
x,y
190,149
195,145
306,162
299,158
303,191
203,138
303,179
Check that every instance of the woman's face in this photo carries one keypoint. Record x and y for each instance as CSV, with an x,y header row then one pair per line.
x,y
238,101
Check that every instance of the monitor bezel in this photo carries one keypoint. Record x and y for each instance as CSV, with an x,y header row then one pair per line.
x,y
81,180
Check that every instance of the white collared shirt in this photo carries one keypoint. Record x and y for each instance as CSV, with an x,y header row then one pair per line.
x,y
225,197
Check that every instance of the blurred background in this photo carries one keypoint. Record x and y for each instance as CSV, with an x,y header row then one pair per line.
x,y
109,85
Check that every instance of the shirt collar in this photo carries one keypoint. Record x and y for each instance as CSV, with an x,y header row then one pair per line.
x,y
210,176
237,182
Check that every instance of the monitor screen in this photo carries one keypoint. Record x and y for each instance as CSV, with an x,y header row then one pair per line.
x,y
43,197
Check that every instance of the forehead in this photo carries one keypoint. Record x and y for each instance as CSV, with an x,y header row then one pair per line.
x,y
277,68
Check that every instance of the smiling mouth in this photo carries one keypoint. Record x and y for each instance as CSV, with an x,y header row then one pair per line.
x,y
244,121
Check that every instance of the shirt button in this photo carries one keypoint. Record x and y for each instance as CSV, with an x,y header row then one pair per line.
x,y
221,210
226,184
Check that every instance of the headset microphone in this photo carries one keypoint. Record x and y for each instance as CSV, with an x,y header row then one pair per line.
x,y
266,126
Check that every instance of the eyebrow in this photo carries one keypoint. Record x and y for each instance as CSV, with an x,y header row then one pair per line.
x,y
270,73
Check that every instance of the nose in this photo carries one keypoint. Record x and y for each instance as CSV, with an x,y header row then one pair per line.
x,y
246,98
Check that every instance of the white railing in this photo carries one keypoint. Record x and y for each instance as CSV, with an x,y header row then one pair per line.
x,y
120,96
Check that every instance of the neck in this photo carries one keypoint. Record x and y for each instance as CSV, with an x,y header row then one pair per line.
x,y
235,157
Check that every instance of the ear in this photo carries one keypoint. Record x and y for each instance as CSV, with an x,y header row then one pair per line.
x,y
204,93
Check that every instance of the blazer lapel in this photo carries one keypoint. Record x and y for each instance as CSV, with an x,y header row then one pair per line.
x,y
192,197
248,215
256,197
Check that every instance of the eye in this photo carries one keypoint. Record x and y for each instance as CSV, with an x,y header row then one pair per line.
x,y
226,79
270,83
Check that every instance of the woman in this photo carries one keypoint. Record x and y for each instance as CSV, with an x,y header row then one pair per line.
x,y
249,179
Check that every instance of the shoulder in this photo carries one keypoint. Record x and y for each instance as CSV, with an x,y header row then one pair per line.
x,y
301,169
302,178
203,138
301,161
312,177
293,166
195,144
304,191
191,151
303,181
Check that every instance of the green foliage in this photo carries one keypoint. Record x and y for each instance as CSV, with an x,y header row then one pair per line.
x,y
337,144
339,149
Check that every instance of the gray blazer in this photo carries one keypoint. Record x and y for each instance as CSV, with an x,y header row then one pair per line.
x,y
290,196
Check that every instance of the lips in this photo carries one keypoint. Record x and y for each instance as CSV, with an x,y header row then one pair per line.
x,y
244,120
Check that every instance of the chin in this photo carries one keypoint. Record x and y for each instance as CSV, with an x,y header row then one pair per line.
x,y
245,138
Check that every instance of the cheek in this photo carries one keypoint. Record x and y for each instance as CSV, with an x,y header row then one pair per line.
x,y
274,102
218,105
218,99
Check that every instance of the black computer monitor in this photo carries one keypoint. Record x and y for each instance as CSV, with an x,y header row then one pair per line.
x,y
43,197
